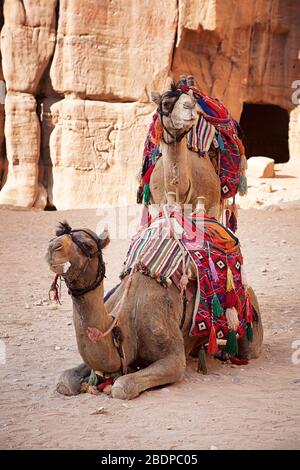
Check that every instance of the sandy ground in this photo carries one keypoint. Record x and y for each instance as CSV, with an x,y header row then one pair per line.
x,y
250,407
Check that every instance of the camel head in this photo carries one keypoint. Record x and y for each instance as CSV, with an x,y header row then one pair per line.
x,y
177,111
77,254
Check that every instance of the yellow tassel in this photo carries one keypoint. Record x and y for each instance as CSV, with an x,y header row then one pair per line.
x,y
230,282
232,318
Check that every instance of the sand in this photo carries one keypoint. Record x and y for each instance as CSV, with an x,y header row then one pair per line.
x,y
250,407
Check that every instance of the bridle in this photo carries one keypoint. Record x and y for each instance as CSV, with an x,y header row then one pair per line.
x,y
170,94
77,292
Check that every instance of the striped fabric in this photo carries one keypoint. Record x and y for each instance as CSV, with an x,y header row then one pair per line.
x,y
155,252
201,136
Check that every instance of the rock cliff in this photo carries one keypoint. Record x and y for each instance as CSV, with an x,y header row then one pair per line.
x,y
78,78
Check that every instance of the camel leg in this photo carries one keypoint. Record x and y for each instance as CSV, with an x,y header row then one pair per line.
x,y
71,379
252,350
167,370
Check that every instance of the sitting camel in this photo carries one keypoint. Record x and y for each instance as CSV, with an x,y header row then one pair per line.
x,y
180,170
147,315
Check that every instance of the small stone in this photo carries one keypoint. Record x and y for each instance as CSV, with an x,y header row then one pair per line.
x,y
283,242
213,448
27,306
169,428
264,269
297,381
99,411
69,323
38,303
57,348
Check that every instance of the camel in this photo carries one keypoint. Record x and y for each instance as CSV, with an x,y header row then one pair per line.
x,y
180,170
148,315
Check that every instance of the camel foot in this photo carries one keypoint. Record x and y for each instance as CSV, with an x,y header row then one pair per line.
x,y
124,389
71,379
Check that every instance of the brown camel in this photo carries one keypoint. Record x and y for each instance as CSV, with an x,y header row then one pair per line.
x,y
149,320
180,170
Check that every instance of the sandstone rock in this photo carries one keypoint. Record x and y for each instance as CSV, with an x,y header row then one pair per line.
x,y
41,198
27,42
96,150
113,50
261,167
104,58
22,132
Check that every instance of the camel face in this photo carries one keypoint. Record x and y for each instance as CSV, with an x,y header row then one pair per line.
x,y
183,114
64,257
177,110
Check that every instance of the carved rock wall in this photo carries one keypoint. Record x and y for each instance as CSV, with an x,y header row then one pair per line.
x,y
79,75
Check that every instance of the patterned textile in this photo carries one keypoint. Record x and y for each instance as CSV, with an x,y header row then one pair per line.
x,y
214,121
212,249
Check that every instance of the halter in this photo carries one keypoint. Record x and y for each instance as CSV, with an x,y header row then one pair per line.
x,y
65,229
171,94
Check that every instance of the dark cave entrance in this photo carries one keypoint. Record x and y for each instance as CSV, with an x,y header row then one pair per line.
x,y
266,129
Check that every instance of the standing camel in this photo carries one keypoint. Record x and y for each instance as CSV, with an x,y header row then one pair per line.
x,y
180,170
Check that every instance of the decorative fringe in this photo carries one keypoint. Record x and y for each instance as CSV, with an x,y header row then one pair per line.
x,y
217,307
146,194
230,282
243,185
231,299
202,361
212,342
145,216
232,224
238,305
249,311
55,290
140,195
249,333
231,346
243,164
213,270
232,318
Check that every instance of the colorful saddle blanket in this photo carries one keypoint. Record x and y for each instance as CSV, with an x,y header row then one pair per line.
x,y
214,252
214,127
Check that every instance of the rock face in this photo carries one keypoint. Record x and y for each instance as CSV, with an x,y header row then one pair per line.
x,y
79,75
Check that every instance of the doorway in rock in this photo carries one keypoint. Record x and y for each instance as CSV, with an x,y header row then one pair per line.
x,y
266,129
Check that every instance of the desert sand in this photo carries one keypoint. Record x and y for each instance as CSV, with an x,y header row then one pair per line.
x,y
255,406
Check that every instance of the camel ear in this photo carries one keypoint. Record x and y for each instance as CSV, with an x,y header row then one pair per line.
x,y
104,238
156,97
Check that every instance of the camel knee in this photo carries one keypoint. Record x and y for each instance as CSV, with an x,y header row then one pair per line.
x,y
69,382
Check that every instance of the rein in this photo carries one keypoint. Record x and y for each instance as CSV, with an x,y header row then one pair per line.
x,y
162,113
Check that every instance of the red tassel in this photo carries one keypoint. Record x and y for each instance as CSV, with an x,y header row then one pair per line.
x,y
104,384
231,298
239,306
212,342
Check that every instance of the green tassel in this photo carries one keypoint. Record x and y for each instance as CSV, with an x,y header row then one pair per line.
x,y
202,361
249,333
217,307
231,345
146,194
243,187
93,379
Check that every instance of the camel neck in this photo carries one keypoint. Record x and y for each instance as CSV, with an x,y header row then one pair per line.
x,y
89,310
176,168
